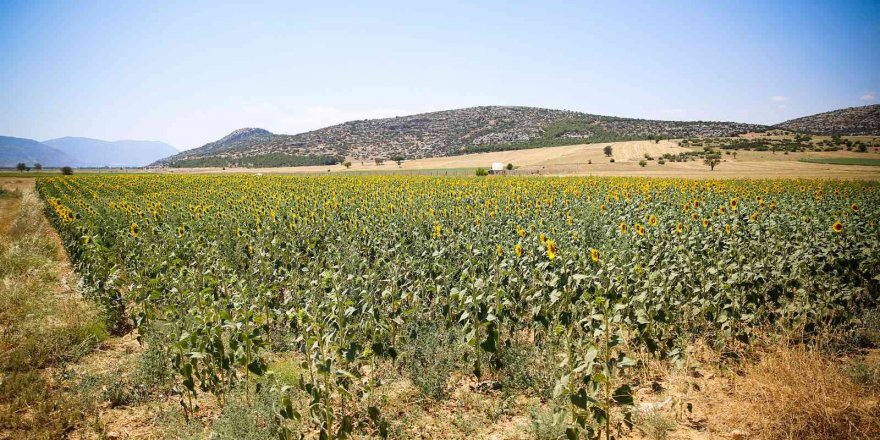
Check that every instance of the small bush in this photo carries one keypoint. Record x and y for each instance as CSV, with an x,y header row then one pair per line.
x,y
656,426
248,418
612,160
524,367
482,172
642,163
548,424
661,162
429,356
67,171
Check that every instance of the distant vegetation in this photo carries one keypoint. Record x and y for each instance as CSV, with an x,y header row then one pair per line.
x,y
843,161
849,121
261,161
453,132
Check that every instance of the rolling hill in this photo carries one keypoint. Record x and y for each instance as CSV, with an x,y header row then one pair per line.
x,y
15,150
848,121
440,133
97,153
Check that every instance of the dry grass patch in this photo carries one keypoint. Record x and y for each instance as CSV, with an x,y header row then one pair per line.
x,y
800,394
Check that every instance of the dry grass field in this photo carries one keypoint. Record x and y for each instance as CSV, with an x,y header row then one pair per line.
x,y
589,160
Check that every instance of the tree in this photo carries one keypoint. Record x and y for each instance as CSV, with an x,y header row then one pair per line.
x,y
21,166
509,166
607,150
346,164
379,161
397,158
642,163
67,171
482,172
712,161
38,166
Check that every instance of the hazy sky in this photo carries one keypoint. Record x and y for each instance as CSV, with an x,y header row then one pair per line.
x,y
190,72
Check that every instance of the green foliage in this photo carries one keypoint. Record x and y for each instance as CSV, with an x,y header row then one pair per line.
x,y
67,171
642,163
842,161
481,172
249,417
257,161
448,275
430,354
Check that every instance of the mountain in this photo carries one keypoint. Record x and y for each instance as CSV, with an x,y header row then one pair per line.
x,y
440,133
848,121
15,150
98,153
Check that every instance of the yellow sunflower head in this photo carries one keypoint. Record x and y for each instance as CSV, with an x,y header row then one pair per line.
x,y
837,227
551,249
518,249
639,229
133,230
623,227
594,254
652,220
679,228
499,250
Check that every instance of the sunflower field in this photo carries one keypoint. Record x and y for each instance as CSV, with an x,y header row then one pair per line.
x,y
606,274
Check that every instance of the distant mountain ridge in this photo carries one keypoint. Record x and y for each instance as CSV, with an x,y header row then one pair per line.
x,y
852,121
125,153
81,152
15,150
441,133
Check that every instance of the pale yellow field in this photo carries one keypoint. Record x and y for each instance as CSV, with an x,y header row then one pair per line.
x,y
575,160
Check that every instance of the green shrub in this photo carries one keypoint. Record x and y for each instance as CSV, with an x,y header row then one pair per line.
x,y
248,417
525,367
482,172
429,356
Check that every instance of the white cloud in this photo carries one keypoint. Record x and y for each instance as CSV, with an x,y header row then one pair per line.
x,y
779,98
870,96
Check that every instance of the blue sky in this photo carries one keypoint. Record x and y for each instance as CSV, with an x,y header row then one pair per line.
x,y
190,72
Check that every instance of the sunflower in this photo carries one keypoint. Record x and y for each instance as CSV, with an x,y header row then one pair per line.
x,y
639,229
133,229
520,231
727,228
437,230
499,250
652,220
733,203
837,227
542,238
695,216
855,207
551,249
622,228
518,249
603,208
705,223
594,254
179,231
754,216
722,210
679,228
